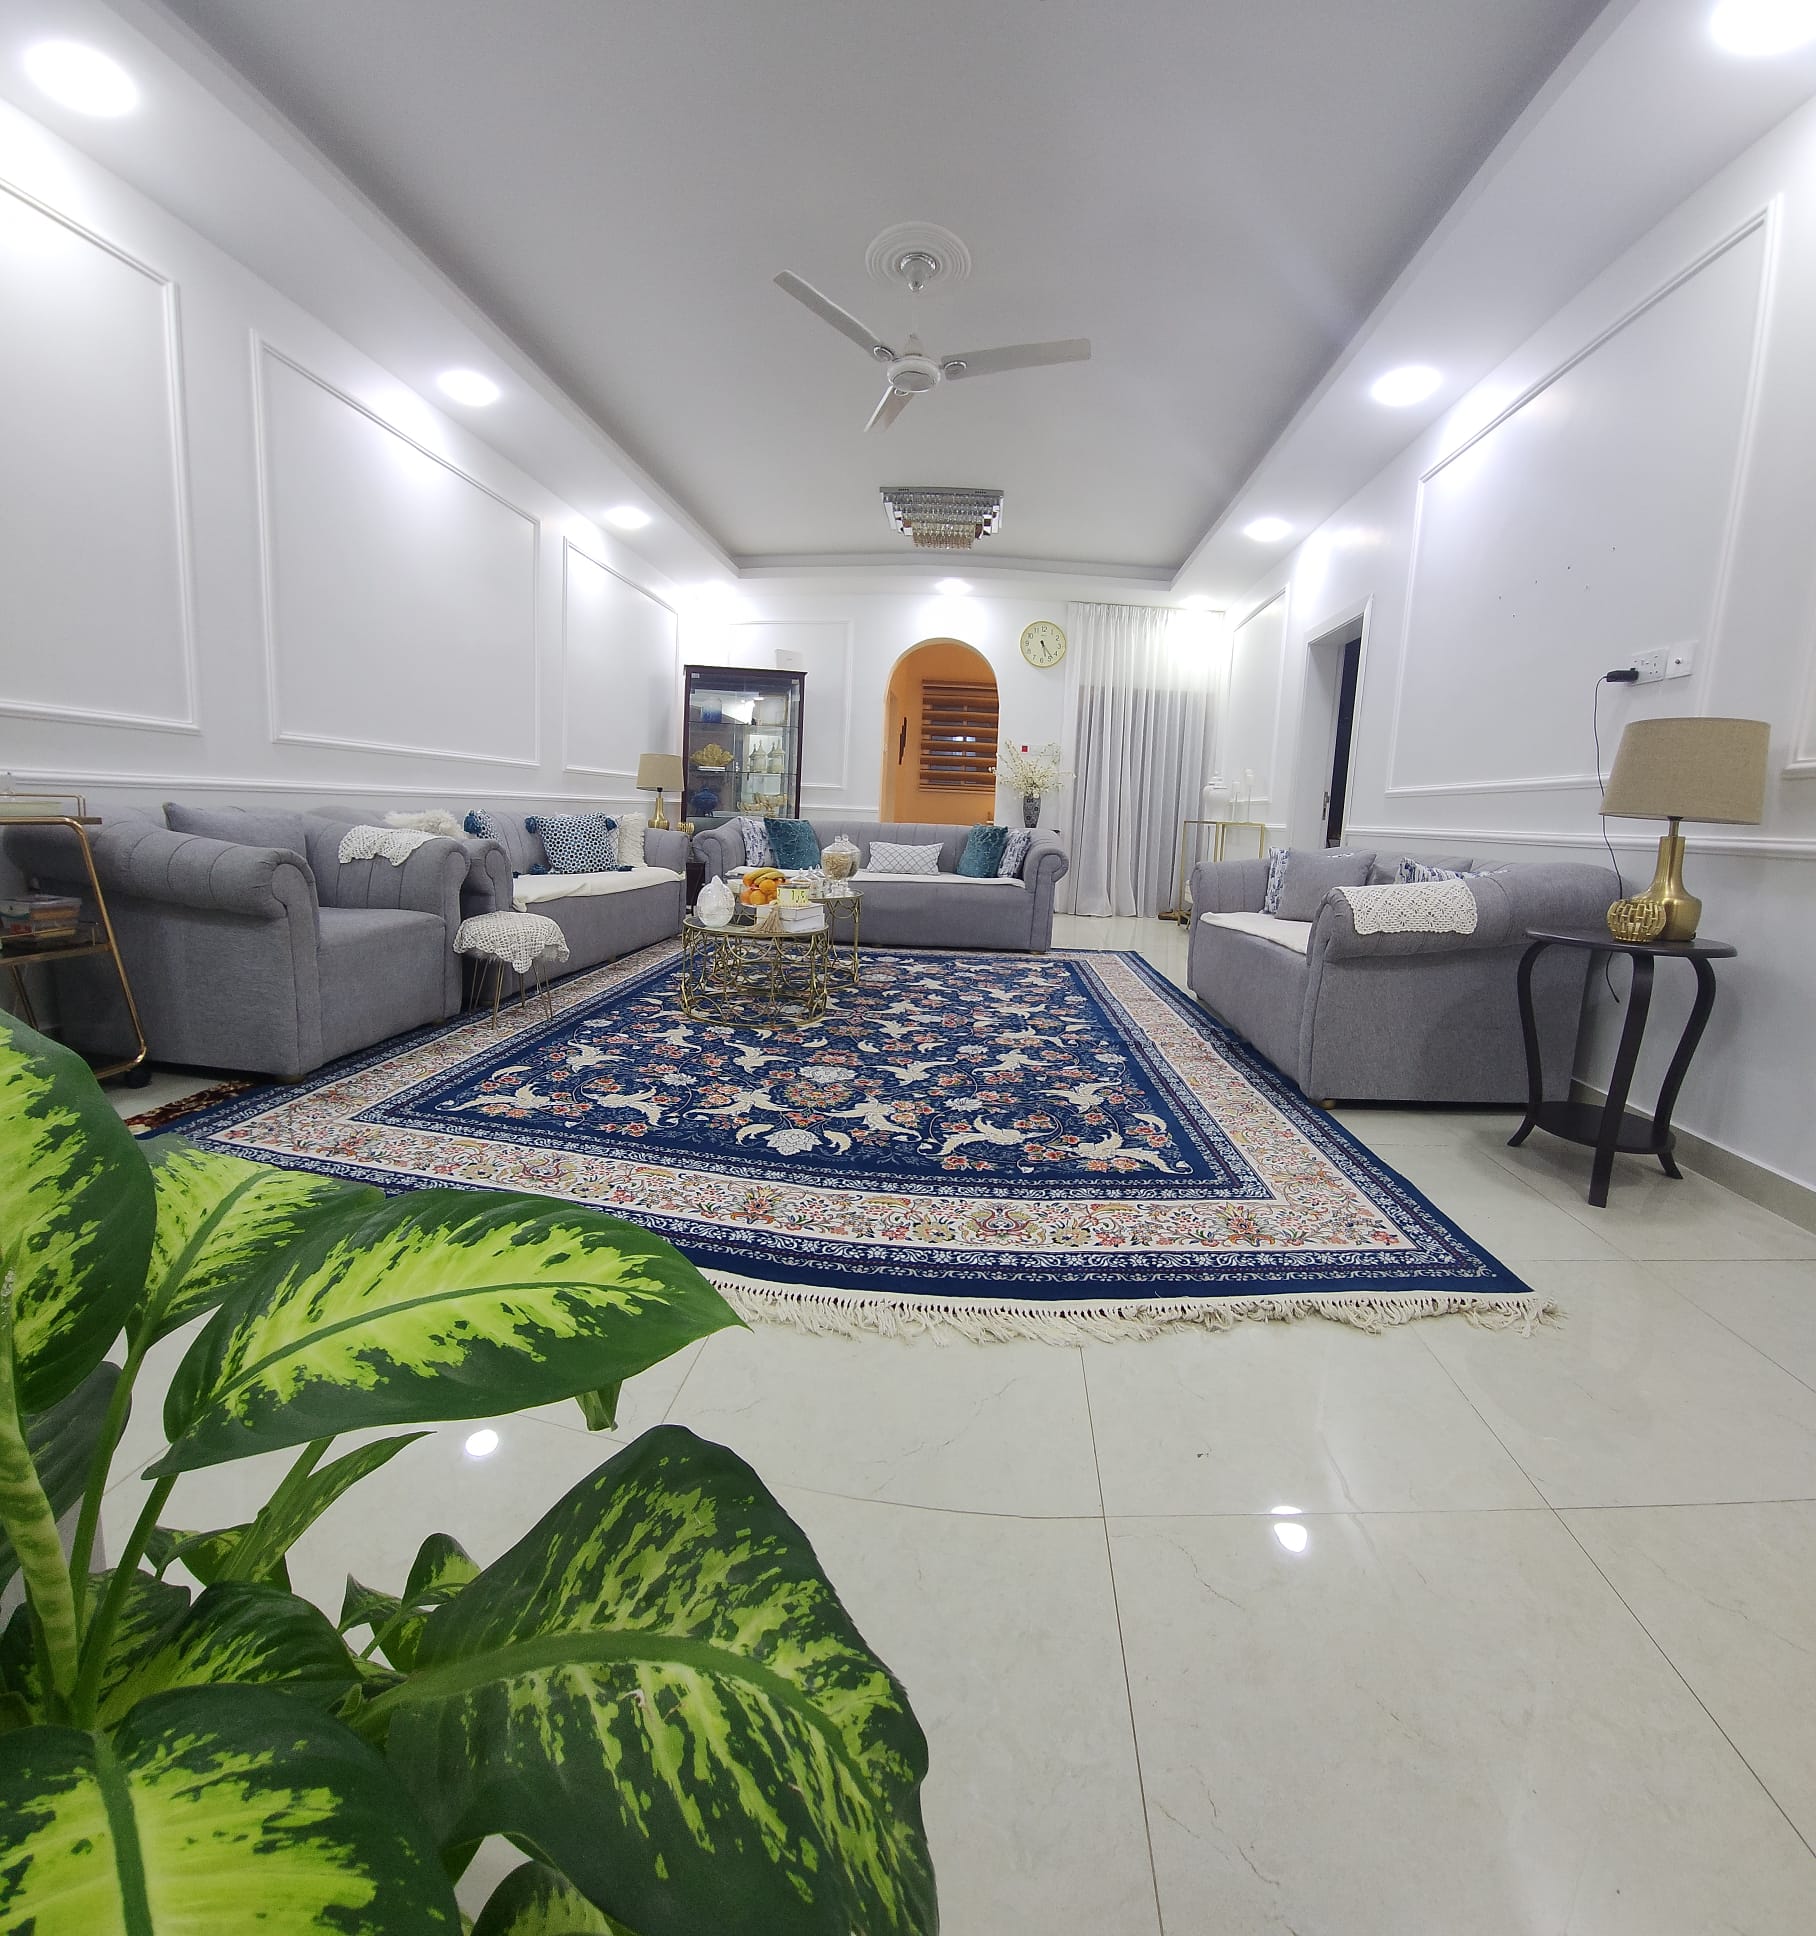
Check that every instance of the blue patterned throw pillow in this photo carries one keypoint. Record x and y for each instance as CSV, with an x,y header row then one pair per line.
x,y
482,825
1015,854
756,841
792,843
983,853
1411,871
1276,879
578,843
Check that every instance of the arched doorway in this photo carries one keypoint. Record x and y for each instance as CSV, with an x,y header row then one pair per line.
x,y
939,736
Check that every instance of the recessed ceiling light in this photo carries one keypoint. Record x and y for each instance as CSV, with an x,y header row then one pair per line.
x,y
628,517
1758,28
83,78
468,386
1267,530
1196,603
953,587
482,1444
1410,383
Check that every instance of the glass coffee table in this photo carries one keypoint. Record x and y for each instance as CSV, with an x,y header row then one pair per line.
x,y
836,905
740,976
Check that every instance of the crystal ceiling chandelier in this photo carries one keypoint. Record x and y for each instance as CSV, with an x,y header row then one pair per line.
x,y
943,517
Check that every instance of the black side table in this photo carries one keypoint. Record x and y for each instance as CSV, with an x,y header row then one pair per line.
x,y
1614,1127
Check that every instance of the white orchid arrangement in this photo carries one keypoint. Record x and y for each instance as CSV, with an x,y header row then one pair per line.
x,y
1031,770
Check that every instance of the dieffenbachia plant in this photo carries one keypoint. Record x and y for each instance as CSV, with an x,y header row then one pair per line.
x,y
655,1694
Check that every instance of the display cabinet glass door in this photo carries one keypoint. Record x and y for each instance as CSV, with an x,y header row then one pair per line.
x,y
742,743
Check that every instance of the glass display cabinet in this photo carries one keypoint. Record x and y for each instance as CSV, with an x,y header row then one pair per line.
x,y
741,740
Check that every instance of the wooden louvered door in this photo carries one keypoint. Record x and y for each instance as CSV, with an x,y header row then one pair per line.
x,y
958,737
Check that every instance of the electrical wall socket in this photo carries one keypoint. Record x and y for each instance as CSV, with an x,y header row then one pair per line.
x,y
1666,662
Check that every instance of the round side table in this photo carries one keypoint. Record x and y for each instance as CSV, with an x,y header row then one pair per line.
x,y
1614,1128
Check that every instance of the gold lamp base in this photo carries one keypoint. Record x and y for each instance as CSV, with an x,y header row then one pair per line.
x,y
659,816
1667,911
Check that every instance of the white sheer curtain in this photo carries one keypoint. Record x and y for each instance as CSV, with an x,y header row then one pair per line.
x,y
1144,740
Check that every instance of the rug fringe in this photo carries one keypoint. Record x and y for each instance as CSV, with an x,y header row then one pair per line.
x,y
851,1314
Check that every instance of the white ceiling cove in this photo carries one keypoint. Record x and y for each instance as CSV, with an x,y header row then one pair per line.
x,y
1216,193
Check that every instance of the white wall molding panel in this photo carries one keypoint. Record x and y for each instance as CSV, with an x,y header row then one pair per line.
x,y
821,648
94,496
620,660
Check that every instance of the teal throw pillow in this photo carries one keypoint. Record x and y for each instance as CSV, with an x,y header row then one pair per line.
x,y
792,843
983,853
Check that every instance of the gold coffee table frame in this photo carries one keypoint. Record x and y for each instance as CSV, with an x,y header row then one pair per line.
x,y
736,977
835,905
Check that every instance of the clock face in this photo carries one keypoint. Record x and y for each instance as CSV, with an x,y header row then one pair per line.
x,y
1043,643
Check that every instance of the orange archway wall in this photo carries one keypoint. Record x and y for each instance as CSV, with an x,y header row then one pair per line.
x,y
948,662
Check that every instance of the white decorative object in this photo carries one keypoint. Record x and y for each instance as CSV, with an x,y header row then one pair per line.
x,y
431,821
631,829
716,905
1421,907
395,844
520,939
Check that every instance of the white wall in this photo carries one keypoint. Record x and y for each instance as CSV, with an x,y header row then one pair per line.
x,y
1641,473
240,559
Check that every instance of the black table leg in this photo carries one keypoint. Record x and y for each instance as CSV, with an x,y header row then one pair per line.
x,y
1529,1029
1639,1000
1680,1064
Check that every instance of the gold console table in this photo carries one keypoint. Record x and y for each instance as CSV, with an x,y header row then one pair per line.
x,y
1178,911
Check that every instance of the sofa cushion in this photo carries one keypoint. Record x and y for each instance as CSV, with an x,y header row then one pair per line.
x,y
897,857
792,843
1386,870
1311,873
755,836
1015,853
1296,935
983,855
256,827
577,843
631,829
382,972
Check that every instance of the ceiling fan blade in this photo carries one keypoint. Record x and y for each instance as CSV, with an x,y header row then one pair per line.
x,y
894,403
841,319
1015,356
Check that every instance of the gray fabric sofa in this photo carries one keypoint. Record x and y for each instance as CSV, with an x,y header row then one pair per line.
x,y
260,953
906,911
596,927
1400,1017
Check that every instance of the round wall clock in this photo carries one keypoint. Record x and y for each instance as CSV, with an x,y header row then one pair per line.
x,y
1043,643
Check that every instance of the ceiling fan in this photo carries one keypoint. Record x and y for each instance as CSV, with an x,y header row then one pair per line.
x,y
912,372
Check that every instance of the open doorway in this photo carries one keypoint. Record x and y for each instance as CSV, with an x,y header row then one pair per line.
x,y
1333,675
939,736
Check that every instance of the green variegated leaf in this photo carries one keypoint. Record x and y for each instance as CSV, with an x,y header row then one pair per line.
x,y
440,1304
658,1689
298,1503
62,1444
239,1633
212,1809
75,1214
539,1901
365,1606
161,1545
441,1568
206,1556
219,1218
600,1408
150,1610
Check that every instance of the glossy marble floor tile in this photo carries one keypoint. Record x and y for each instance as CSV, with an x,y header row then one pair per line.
x,y
1771,1305
1426,1724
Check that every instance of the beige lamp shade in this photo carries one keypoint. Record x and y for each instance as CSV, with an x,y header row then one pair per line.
x,y
659,771
1690,769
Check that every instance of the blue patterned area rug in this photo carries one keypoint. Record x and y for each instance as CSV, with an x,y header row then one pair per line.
x,y
1053,1146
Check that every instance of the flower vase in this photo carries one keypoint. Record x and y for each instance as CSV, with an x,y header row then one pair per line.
x,y
1030,809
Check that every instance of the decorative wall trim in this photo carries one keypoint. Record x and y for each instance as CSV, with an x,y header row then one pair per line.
x,y
568,765
1220,763
174,785
281,735
1742,846
183,523
1765,218
848,628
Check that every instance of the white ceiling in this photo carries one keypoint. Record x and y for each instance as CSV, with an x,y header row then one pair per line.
x,y
1216,193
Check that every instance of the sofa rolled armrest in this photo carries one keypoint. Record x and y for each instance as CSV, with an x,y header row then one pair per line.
x,y
1229,886
718,849
663,847
487,888
146,862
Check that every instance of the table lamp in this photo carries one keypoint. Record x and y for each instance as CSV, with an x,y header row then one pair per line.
x,y
656,771
1677,770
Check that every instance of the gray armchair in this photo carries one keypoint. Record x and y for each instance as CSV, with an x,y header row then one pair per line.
x,y
271,958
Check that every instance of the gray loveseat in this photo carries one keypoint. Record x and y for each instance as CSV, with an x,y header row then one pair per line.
x,y
1399,1017
916,911
261,953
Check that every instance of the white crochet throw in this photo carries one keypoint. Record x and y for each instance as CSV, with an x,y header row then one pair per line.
x,y
395,844
517,938
1418,907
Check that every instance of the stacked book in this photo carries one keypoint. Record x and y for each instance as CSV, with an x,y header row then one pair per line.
x,y
32,919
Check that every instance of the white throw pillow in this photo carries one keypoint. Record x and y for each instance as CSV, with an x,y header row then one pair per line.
x,y
631,828
892,857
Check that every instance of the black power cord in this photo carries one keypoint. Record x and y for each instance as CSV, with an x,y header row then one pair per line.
x,y
1624,676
